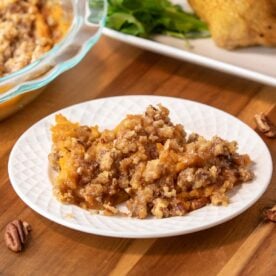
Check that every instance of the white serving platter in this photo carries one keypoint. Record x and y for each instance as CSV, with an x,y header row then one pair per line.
x,y
255,63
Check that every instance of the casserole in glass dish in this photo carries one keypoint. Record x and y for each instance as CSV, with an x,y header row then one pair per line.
x,y
82,28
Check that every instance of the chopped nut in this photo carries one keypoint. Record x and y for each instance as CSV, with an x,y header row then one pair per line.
x,y
198,203
265,126
270,214
16,235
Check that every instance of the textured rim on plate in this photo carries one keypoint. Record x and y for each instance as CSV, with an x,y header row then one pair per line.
x,y
28,167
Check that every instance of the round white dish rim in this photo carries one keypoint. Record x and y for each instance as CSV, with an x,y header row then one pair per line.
x,y
135,228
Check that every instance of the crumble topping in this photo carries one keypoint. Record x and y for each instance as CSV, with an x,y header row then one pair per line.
x,y
28,29
147,162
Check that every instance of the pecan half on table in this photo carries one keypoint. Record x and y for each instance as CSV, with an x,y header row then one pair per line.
x,y
270,214
265,126
16,235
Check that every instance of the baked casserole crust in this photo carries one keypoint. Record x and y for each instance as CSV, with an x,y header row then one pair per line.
x,y
146,162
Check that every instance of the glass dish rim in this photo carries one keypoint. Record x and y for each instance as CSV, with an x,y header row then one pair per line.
x,y
32,84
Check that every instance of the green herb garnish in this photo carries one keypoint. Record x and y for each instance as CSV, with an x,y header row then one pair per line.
x,y
147,17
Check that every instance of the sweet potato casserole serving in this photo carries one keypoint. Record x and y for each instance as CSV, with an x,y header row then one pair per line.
x,y
28,29
147,162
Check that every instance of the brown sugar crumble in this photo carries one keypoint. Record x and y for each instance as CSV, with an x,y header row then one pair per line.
x,y
28,29
146,162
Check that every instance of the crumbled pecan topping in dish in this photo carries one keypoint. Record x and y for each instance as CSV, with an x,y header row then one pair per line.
x,y
28,29
147,162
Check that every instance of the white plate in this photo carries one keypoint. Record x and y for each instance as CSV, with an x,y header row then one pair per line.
x,y
255,63
28,167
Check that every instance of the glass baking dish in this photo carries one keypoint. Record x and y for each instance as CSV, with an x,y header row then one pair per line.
x,y
87,20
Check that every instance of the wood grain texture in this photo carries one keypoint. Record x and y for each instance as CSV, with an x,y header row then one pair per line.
x,y
242,246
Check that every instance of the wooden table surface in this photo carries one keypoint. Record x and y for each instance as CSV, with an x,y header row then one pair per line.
x,y
243,246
